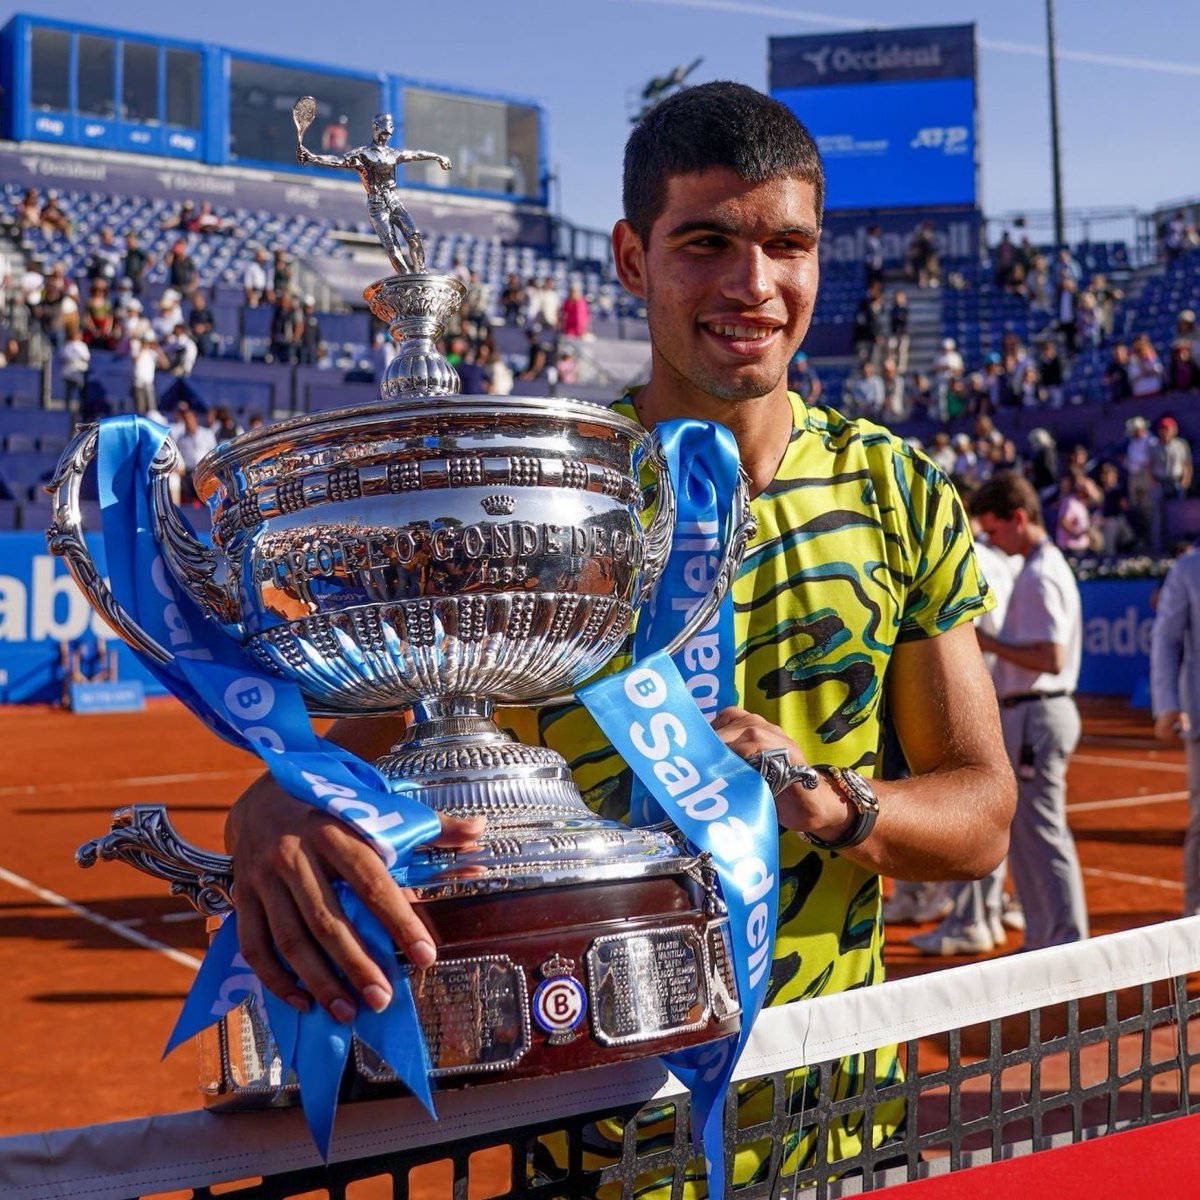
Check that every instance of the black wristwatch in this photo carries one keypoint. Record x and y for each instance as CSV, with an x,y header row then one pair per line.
x,y
859,793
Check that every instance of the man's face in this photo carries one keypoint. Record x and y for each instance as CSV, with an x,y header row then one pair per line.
x,y
1003,532
729,277
383,128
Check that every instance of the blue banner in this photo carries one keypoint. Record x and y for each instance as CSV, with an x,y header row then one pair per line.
x,y
1117,622
40,609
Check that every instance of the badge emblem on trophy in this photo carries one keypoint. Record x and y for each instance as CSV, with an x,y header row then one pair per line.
x,y
445,556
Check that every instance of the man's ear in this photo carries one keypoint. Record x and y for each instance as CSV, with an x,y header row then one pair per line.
x,y
629,257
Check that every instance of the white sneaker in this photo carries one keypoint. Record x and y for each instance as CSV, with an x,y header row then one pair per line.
x,y
995,925
971,939
914,906
1013,915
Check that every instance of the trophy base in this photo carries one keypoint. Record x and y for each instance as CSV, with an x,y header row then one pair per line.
x,y
527,984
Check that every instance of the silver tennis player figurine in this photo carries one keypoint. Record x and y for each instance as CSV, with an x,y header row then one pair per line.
x,y
414,303
376,166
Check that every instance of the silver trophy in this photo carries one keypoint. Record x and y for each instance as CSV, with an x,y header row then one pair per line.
x,y
444,555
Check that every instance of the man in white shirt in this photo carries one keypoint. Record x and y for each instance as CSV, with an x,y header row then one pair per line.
x,y
194,443
1038,652
180,351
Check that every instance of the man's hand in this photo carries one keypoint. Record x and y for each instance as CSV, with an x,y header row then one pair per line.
x,y
821,811
286,854
1171,725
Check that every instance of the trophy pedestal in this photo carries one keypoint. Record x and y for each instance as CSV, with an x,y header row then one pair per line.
x,y
529,983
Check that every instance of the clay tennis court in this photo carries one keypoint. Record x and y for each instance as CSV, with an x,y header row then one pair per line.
x,y
94,964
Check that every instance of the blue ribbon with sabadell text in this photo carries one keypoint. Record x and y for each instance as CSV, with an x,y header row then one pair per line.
x,y
266,715
652,714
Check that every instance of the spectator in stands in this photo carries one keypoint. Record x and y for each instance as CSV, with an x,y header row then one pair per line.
x,y
222,424
873,257
57,310
308,339
1038,285
1050,374
105,260
1145,370
539,356
942,452
550,304
566,367
898,336
285,329
575,318
1141,486
383,350
966,461
1066,267
98,322
1171,461
1116,374
193,442
147,357
202,326
282,275
868,324
1117,534
207,221
514,300
256,281
182,274
475,309
1068,315
14,353
137,262
803,379
1087,314
335,137
74,360
865,393
1183,375
182,221
1073,524
254,421
1030,391
179,351
923,266
1107,298
1043,462
497,377
28,211
895,398
53,219
1175,236
170,314
1004,260
947,367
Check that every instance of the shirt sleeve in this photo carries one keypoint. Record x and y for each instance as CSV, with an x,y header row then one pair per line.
x,y
1167,642
947,587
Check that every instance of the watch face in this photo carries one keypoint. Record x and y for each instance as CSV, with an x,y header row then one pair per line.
x,y
861,791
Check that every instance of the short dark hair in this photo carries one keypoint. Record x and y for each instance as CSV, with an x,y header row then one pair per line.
x,y
1004,494
720,124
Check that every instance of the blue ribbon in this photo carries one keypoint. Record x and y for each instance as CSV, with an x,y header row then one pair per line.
x,y
264,714
652,715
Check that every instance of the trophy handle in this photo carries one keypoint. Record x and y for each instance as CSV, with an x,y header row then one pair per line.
x,y
197,566
143,837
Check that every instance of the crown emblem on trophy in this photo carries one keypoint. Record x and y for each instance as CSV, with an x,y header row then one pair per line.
x,y
557,965
498,505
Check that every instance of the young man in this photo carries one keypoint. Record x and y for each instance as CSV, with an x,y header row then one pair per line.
x,y
1039,649
859,588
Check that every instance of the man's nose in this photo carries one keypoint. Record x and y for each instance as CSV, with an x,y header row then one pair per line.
x,y
750,278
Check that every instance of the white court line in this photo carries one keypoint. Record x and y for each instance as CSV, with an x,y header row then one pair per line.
x,y
190,915
1140,764
1121,877
1127,801
30,789
122,931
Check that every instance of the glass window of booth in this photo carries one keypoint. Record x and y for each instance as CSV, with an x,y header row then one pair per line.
x,y
493,144
139,84
96,58
51,56
183,88
261,96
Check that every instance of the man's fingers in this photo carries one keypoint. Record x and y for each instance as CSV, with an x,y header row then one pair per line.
x,y
254,939
461,833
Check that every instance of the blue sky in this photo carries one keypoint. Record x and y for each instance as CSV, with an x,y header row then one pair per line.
x,y
1129,77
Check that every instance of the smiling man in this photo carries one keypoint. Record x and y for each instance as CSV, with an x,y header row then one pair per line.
x,y
856,596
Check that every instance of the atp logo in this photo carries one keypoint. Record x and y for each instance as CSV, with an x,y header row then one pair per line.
x,y
949,139
818,58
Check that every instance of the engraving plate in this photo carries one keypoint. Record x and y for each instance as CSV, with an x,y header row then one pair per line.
x,y
722,983
474,1012
647,985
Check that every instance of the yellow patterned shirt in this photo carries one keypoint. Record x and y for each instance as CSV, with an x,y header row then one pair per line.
x,y
861,544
